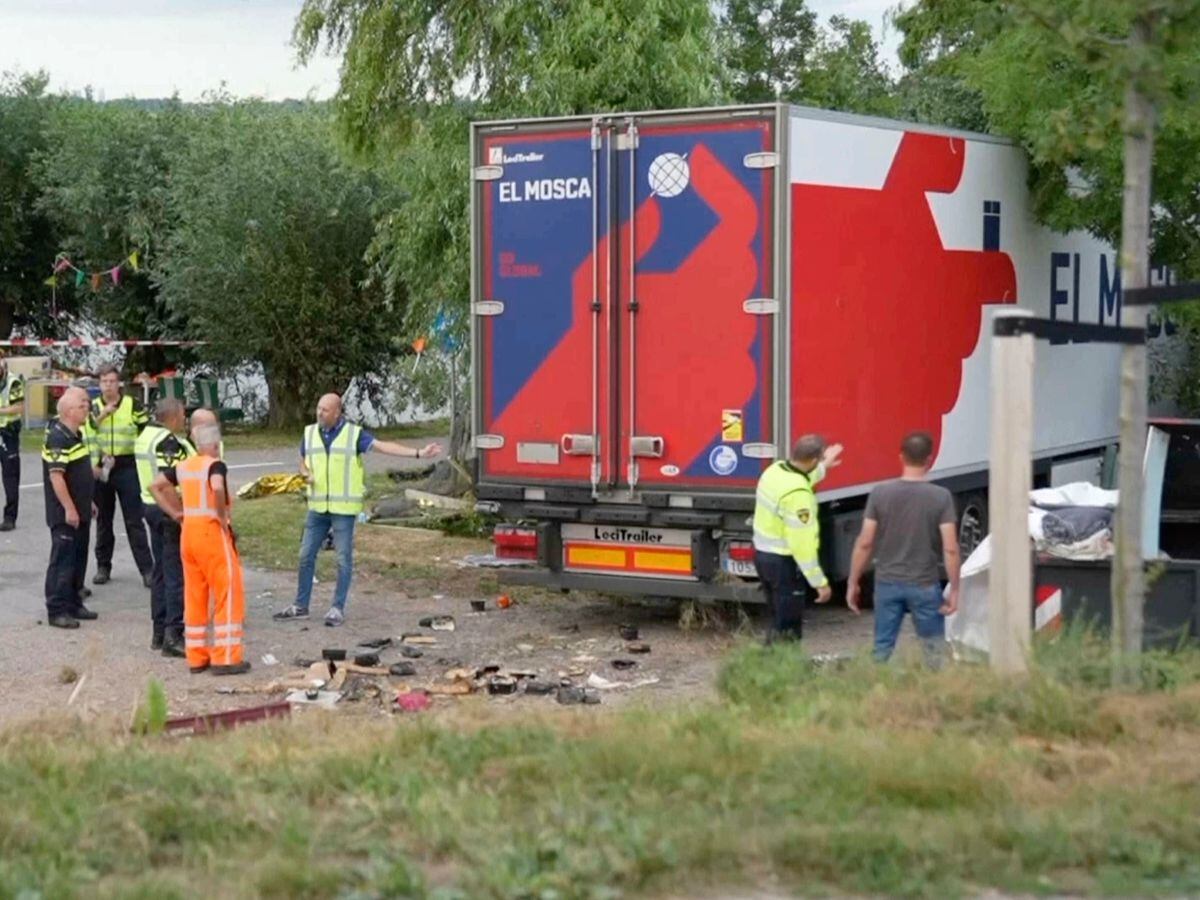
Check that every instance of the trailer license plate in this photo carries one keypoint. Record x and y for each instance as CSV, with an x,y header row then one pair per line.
x,y
739,568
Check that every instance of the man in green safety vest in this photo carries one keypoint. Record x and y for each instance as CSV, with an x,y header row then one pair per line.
x,y
12,405
160,446
113,429
331,454
787,535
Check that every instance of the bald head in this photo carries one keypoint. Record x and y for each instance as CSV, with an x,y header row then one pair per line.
x,y
329,410
203,416
73,408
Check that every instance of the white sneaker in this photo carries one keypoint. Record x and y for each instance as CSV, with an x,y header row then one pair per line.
x,y
334,617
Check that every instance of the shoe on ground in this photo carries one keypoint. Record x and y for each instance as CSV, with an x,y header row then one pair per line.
x,y
334,617
196,670
156,642
236,669
7,525
290,612
148,580
83,614
84,593
63,621
102,576
174,649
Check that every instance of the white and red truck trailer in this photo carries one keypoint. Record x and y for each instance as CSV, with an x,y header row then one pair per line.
x,y
664,301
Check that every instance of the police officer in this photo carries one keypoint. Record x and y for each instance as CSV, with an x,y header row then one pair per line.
x,y
786,533
67,475
12,405
160,446
115,424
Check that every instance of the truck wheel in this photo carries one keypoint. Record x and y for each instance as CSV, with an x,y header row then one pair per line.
x,y
972,521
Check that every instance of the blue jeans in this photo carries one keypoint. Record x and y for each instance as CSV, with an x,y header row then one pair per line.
x,y
892,600
316,526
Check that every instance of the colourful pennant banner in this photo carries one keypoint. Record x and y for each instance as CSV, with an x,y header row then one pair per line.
x,y
62,264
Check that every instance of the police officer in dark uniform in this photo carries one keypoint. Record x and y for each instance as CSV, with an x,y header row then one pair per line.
x,y
12,404
68,478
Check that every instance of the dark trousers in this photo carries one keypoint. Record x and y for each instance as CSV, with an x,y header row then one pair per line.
x,y
122,484
785,591
68,565
10,465
166,585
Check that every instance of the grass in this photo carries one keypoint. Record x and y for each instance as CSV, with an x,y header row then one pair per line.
x,y
269,531
861,780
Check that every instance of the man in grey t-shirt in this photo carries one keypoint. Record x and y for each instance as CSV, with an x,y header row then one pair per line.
x,y
908,527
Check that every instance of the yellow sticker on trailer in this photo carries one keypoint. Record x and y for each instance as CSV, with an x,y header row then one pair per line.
x,y
731,426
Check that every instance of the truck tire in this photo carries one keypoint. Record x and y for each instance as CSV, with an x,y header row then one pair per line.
x,y
972,521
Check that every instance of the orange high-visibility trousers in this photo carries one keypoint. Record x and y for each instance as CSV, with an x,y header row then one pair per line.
x,y
212,595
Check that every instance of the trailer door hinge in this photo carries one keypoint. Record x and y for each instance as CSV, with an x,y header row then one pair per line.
x,y
489,441
763,160
489,307
488,173
760,306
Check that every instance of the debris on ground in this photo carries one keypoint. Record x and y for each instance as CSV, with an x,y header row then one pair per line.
x,y
478,605
271,484
412,701
333,655
411,638
638,647
501,684
367,660
376,643
492,561
569,696
207,724
411,652
438,623
269,659
402,669
628,632
624,663
504,601
601,683
319,699
67,675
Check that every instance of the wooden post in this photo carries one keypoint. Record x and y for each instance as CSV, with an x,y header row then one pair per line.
x,y
1010,577
1128,588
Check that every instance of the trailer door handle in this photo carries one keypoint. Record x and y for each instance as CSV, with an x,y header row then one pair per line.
x,y
578,444
647,445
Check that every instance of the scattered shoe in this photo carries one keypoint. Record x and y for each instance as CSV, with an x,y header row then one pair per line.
x,y
174,649
63,621
156,641
7,525
402,669
334,617
196,670
102,576
236,669
83,614
148,579
290,612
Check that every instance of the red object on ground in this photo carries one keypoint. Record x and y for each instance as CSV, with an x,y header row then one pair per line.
x,y
412,701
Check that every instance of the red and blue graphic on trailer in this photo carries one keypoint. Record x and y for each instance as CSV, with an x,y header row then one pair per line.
x,y
689,362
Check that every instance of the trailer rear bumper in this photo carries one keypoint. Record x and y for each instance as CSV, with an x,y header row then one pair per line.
x,y
734,592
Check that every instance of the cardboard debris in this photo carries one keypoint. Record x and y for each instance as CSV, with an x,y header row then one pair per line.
x,y
454,689
422,639
601,683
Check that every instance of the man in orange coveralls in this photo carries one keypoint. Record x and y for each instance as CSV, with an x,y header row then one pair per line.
x,y
212,571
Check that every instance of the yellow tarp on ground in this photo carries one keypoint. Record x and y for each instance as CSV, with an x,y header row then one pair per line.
x,y
274,483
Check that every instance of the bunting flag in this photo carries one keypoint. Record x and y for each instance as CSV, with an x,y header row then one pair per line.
x,y
419,346
63,264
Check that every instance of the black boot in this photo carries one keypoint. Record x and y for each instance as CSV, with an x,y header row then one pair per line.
x,y
156,642
173,647
102,576
7,525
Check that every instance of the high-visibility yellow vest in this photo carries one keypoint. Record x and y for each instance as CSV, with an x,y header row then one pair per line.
x,y
150,460
338,479
785,518
117,434
11,391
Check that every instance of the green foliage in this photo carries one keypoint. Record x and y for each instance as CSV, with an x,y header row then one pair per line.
x,y
26,236
266,257
151,717
104,184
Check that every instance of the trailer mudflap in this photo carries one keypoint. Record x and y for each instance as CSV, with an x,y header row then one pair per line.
x,y
733,592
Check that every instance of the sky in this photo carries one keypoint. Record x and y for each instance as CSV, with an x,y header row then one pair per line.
x,y
155,48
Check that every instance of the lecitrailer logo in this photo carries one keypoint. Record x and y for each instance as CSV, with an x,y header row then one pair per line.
x,y
497,156
633,536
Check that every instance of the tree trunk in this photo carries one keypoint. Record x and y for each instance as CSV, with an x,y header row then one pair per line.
x,y
460,429
286,404
1128,574
8,311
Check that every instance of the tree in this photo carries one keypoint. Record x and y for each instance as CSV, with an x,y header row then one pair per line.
x,y
769,48
105,174
267,258
27,238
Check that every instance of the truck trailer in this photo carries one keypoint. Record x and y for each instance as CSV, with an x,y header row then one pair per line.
x,y
663,302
